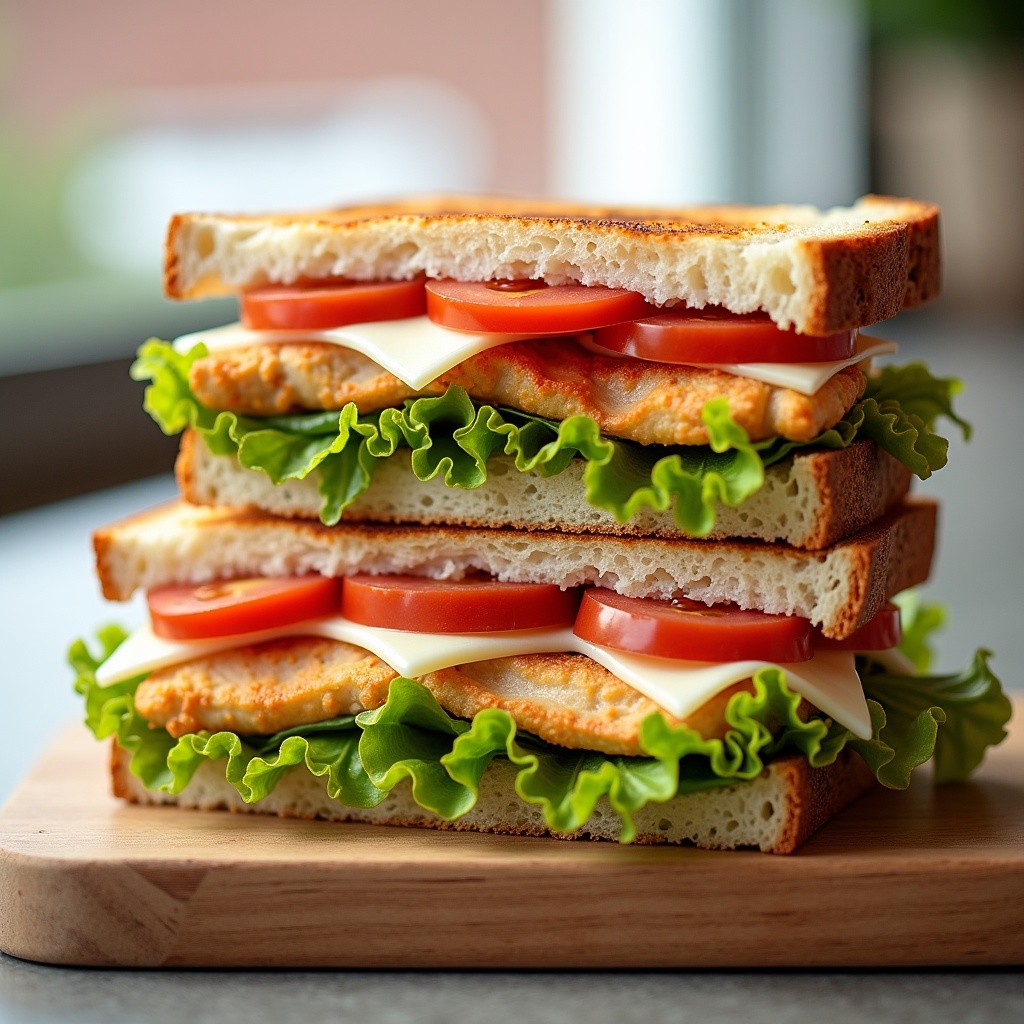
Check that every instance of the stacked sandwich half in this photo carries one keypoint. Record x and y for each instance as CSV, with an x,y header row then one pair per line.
x,y
511,517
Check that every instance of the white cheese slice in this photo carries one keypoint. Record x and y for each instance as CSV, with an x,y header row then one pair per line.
x,y
829,680
806,378
415,350
894,661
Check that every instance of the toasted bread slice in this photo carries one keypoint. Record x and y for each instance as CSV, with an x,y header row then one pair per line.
x,y
809,501
819,272
839,588
775,812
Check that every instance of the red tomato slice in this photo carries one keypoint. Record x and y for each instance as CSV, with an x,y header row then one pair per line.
x,y
690,631
319,307
472,605
227,607
529,307
881,633
714,335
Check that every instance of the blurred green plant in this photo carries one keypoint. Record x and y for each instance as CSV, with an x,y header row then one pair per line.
x,y
985,23
34,243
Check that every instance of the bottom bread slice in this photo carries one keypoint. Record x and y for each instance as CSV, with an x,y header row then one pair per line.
x,y
776,812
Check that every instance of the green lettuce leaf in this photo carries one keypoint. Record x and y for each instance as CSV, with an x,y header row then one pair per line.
x,y
908,709
453,437
953,718
898,411
110,711
918,394
254,765
407,738
332,751
918,622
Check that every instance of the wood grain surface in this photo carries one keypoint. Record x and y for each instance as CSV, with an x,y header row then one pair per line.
x,y
924,877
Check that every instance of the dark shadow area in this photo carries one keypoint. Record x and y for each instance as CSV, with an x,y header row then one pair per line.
x,y
74,430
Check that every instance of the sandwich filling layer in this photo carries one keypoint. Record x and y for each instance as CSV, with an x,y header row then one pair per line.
x,y
331,379
565,699
417,352
443,736
214,673
453,437
649,403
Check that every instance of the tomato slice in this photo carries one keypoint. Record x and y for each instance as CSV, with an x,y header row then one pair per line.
x,y
881,633
715,335
529,307
319,307
472,605
228,607
690,631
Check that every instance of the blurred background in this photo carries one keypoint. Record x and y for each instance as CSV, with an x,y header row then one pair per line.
x,y
116,113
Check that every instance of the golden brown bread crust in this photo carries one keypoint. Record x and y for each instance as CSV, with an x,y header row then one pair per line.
x,y
652,403
924,259
857,485
816,794
811,796
884,270
888,559
861,274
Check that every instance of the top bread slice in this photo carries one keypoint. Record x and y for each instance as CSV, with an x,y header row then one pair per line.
x,y
818,271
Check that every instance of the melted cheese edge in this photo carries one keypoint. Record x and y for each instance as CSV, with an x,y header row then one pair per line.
x,y
417,351
829,680
806,378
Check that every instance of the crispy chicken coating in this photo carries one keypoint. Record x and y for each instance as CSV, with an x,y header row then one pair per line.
x,y
566,699
652,403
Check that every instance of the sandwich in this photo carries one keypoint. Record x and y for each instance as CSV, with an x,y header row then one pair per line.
x,y
517,517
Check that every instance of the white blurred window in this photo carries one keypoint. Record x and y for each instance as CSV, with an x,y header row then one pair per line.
x,y
227,149
267,149
700,101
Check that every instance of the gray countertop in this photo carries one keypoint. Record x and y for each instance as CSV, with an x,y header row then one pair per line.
x,y
31,993
49,596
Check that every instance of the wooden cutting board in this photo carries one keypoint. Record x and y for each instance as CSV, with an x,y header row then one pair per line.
x,y
921,877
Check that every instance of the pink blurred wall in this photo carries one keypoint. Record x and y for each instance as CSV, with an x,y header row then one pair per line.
x,y
68,57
